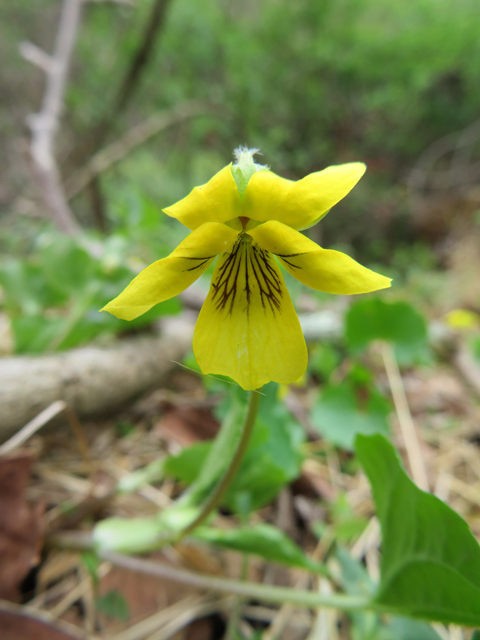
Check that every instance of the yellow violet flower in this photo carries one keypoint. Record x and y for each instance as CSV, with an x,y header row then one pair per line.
x,y
247,328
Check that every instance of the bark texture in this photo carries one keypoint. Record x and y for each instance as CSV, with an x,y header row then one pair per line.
x,y
92,380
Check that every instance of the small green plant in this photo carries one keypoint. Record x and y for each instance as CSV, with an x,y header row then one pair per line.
x,y
52,297
430,566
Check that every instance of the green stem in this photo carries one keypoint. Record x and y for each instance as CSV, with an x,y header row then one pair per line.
x,y
219,492
250,590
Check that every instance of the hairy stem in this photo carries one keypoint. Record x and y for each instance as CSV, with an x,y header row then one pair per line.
x,y
250,590
219,492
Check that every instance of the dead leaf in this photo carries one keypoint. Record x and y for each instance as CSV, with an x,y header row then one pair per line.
x,y
187,425
145,595
435,390
20,626
21,526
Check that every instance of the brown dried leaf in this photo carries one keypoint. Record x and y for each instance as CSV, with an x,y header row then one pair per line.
x,y
21,526
16,626
187,425
144,594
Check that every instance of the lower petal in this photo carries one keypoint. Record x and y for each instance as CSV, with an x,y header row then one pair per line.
x,y
248,329
321,269
169,277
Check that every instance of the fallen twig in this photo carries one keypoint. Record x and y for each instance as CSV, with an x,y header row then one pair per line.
x,y
91,380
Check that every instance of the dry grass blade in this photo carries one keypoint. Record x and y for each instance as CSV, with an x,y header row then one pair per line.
x,y
186,617
407,427
33,426
78,592
160,619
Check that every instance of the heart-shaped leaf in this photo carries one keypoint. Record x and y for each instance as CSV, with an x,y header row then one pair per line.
x,y
430,559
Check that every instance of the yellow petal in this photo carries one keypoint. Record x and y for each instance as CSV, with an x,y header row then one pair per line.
x,y
321,269
247,328
169,277
462,319
216,201
299,204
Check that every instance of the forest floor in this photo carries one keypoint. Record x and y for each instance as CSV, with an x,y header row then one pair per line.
x,y
69,477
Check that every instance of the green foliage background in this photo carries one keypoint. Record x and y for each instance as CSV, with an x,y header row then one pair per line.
x,y
310,83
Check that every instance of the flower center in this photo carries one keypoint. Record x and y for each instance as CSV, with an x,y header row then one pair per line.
x,y
244,220
246,275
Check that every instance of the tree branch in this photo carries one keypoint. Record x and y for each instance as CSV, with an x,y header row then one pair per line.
x,y
153,26
96,137
44,125
131,139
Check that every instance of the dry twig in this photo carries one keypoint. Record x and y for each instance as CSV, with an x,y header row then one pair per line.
x,y
44,125
131,139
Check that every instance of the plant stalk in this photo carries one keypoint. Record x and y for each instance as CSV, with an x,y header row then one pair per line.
x,y
220,490
250,590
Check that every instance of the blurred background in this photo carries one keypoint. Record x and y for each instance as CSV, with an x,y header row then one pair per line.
x,y
157,94
113,109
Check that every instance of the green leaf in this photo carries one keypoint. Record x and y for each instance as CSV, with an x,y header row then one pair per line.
x,y
341,413
114,605
345,523
475,347
153,472
186,465
395,322
91,562
354,577
66,265
323,360
222,448
430,559
25,288
406,629
262,540
90,325
272,460
140,535
367,625
34,334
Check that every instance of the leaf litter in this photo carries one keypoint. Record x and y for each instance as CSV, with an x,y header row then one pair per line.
x,y
331,499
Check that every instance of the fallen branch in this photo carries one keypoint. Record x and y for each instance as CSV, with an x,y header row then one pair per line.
x,y
91,380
